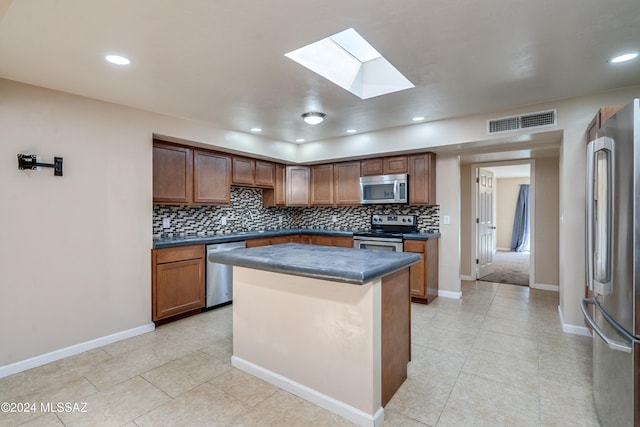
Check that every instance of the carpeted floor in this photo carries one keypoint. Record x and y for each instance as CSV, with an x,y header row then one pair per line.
x,y
509,267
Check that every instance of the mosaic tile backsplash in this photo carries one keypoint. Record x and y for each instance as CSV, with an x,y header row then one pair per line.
x,y
247,213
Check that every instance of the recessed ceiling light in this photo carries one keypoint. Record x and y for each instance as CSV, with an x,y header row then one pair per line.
x,y
418,119
256,130
299,139
117,59
351,131
624,58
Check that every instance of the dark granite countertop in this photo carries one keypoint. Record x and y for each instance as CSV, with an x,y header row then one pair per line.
x,y
243,235
256,234
354,266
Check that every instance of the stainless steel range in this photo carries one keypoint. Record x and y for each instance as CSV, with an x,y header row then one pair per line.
x,y
386,232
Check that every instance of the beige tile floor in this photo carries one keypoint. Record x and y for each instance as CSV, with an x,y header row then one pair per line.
x,y
497,357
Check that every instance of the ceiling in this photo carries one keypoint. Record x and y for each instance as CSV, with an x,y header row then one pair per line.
x,y
222,62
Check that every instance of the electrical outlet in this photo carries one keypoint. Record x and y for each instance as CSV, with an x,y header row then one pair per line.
x,y
334,218
280,219
446,220
166,223
223,220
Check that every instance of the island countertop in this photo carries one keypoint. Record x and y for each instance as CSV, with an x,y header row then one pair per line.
x,y
354,266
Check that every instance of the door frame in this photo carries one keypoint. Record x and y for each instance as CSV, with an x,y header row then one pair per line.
x,y
532,213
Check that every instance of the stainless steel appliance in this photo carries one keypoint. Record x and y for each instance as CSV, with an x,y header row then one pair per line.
x,y
383,189
386,232
613,267
220,276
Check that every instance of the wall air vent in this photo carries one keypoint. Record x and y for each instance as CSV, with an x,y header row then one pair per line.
x,y
523,121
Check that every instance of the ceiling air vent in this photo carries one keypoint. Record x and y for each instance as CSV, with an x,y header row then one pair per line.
x,y
523,121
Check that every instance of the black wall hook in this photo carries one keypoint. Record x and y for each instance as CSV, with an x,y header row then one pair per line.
x,y
28,161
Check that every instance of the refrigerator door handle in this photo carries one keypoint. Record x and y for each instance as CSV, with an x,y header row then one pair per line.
x,y
613,344
600,215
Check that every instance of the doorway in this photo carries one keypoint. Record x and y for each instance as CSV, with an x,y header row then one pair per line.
x,y
503,212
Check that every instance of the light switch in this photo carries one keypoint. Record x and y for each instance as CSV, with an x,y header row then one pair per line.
x,y
446,219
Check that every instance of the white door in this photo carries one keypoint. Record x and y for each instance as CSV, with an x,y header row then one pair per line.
x,y
485,223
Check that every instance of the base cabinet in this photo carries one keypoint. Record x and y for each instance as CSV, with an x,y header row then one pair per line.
x,y
178,284
423,275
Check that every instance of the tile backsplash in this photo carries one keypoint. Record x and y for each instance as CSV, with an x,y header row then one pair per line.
x,y
247,213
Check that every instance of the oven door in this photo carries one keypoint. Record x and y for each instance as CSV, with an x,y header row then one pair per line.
x,y
378,244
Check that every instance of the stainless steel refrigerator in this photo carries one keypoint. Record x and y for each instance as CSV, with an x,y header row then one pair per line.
x,y
613,266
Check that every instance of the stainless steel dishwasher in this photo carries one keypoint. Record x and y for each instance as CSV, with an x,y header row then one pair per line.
x,y
220,276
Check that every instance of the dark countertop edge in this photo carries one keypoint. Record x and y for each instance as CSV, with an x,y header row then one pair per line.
x,y
247,235
243,235
421,236
360,279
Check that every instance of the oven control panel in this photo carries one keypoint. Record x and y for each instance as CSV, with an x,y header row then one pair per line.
x,y
409,220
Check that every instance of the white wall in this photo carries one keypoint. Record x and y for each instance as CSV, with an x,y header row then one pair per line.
x,y
75,250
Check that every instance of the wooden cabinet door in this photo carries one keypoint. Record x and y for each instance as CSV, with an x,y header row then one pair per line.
x,y
297,186
276,196
431,269
211,178
346,182
179,287
417,271
278,240
254,243
344,242
371,167
422,179
306,239
394,165
172,174
321,240
265,174
322,184
244,171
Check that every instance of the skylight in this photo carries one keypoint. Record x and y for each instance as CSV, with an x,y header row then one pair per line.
x,y
349,61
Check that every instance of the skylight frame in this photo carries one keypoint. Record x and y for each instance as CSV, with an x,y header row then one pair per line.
x,y
349,61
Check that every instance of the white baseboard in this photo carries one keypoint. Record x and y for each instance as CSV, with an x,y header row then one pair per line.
x,y
352,414
43,359
469,278
572,329
449,294
544,287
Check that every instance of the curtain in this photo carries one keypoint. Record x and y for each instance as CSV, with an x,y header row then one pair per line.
x,y
520,234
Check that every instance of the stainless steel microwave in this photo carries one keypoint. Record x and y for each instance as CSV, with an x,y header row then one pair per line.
x,y
383,189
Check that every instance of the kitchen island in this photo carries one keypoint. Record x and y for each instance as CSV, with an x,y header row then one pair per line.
x,y
329,324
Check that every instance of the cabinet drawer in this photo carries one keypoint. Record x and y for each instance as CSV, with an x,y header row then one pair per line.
x,y
180,253
414,246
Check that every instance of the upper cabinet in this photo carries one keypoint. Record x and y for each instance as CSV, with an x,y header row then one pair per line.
x,y
182,175
346,182
252,172
600,118
276,196
243,171
172,174
371,167
211,183
321,184
265,174
297,181
384,166
193,176
394,165
422,179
